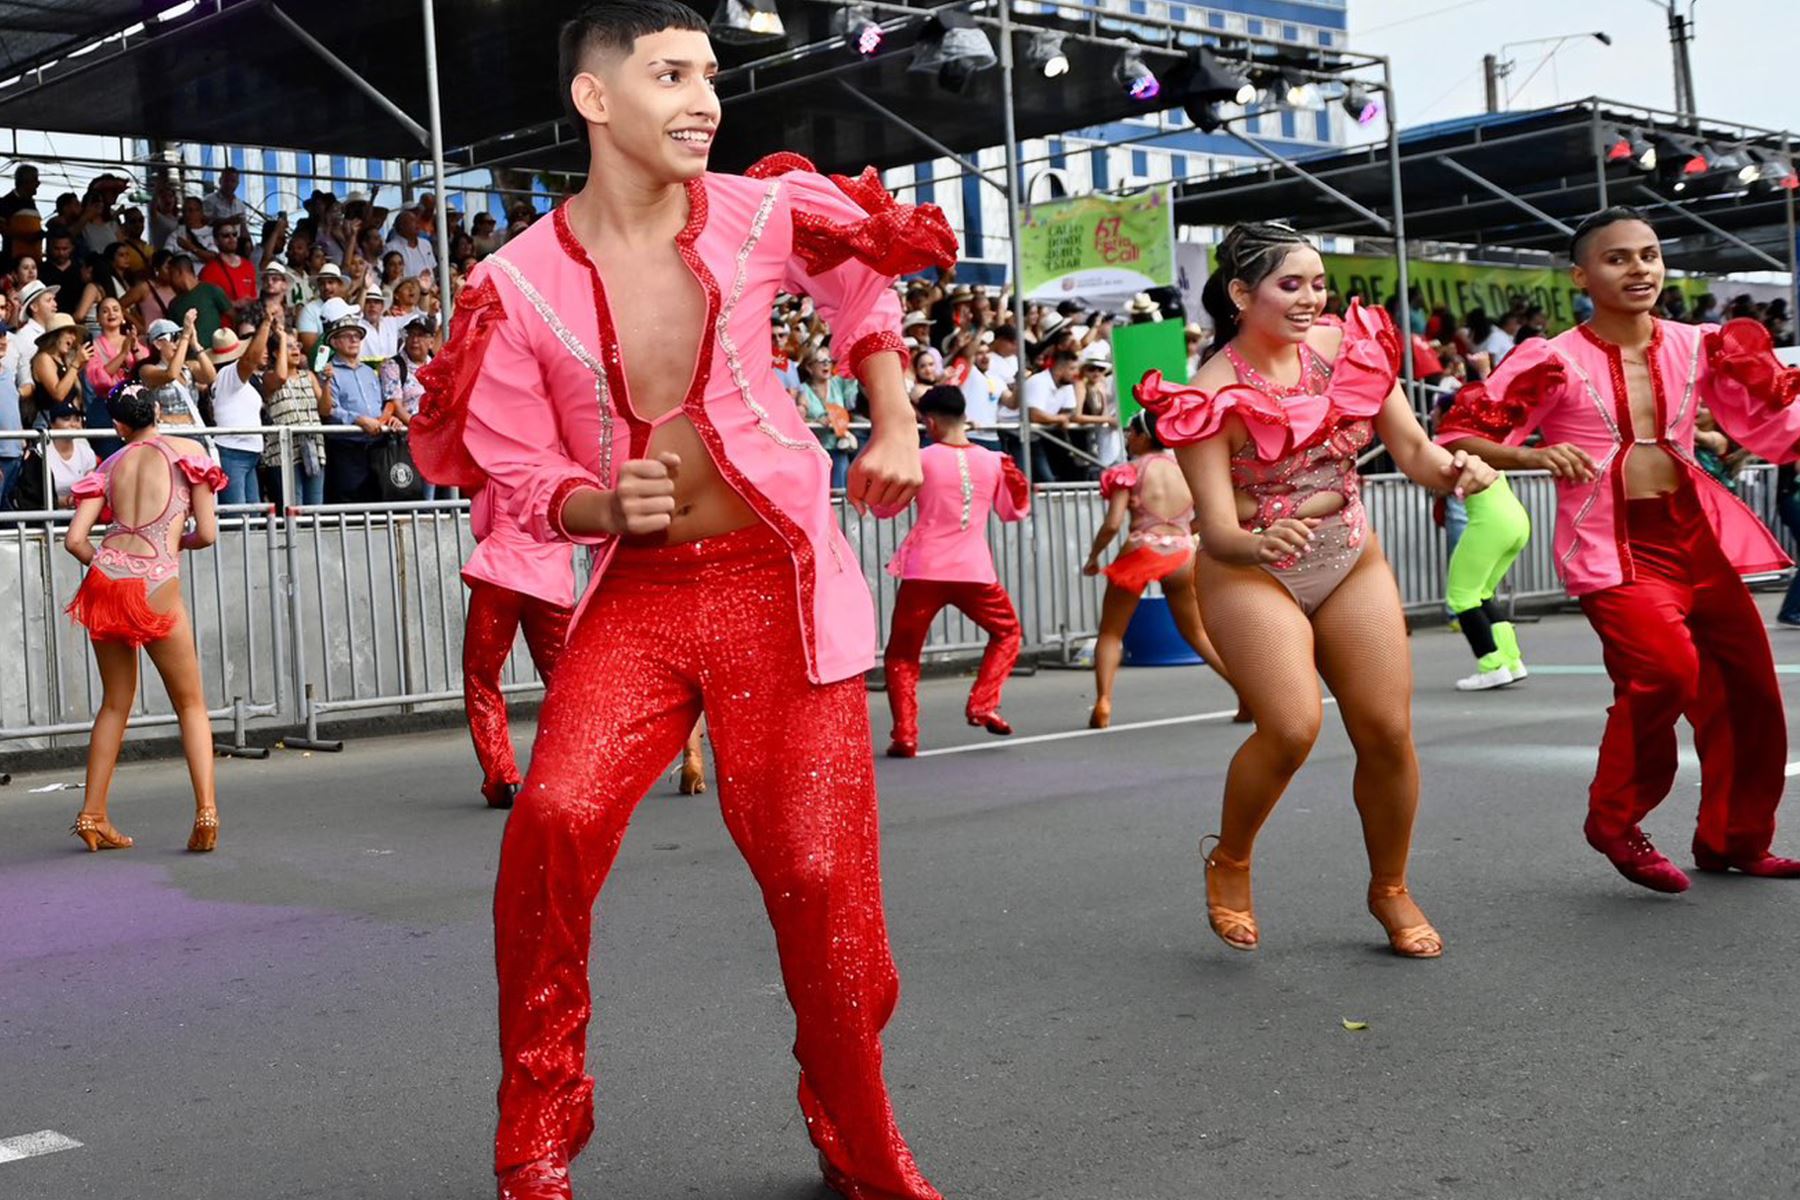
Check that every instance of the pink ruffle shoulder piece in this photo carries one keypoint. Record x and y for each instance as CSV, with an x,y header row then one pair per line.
x,y
1368,361
436,434
1742,350
90,485
202,471
1185,415
1120,478
891,238
1018,488
1531,372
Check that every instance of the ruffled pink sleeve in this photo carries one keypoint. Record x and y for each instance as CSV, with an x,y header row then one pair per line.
x,y
1750,391
88,486
1368,362
851,239
1186,415
435,435
201,471
1122,477
1507,406
1012,499
504,422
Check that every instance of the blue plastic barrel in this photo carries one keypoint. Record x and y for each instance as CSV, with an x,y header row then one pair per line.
x,y
1151,639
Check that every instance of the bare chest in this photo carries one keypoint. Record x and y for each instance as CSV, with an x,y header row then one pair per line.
x,y
1640,396
658,315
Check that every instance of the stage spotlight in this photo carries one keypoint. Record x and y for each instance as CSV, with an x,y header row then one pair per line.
x,y
954,47
744,21
1360,104
1678,160
1631,146
860,29
1138,80
1293,91
1212,80
1045,52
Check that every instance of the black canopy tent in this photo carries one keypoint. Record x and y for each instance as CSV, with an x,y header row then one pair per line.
x,y
1521,180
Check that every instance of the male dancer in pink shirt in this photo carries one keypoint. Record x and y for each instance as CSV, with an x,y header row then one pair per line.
x,y
513,579
1652,546
721,580
945,561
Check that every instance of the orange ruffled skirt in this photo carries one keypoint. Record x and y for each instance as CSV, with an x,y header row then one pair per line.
x,y
1137,569
118,610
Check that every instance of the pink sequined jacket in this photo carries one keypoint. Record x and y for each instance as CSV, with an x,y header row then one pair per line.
x,y
963,484
1571,388
506,556
530,390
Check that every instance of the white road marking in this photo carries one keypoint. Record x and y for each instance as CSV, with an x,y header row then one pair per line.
x,y
1793,768
30,1145
1224,714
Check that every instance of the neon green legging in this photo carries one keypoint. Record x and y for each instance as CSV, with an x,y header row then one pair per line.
x,y
1498,529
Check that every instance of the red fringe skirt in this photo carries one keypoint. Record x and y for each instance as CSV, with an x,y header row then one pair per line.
x,y
1137,569
118,610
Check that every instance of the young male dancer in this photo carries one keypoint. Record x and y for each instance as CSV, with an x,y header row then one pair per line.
x,y
513,579
721,580
945,560
1652,546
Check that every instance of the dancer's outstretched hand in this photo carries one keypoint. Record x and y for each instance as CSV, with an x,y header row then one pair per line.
x,y
644,501
1469,474
887,474
1285,538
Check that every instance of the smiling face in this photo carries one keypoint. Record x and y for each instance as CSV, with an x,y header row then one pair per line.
x,y
1621,267
655,107
1284,304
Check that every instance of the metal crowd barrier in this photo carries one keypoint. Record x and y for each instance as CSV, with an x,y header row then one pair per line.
x,y
315,611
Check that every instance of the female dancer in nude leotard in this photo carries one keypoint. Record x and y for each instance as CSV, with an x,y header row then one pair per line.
x,y
131,599
1291,577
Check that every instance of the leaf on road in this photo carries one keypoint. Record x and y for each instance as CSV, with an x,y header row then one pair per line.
x,y
1354,1026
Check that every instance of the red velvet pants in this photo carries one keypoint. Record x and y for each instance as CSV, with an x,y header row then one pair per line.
x,y
707,625
1685,638
916,606
495,614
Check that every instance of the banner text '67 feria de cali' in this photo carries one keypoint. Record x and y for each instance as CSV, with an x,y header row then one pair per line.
x,y
1098,245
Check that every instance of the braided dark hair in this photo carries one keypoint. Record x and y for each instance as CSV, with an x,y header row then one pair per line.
x,y
1249,254
1143,423
131,405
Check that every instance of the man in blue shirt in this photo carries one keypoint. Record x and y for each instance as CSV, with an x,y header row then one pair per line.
x,y
350,476
12,452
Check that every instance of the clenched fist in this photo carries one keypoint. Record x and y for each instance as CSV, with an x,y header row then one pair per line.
x,y
644,501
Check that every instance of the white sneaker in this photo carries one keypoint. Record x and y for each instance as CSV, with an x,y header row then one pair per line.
x,y
1518,672
1481,681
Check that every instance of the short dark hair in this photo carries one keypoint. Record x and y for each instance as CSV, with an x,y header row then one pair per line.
x,y
944,401
181,262
1062,358
1600,220
1006,333
614,26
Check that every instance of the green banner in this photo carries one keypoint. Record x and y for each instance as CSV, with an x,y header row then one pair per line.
x,y
1463,286
1159,346
1098,245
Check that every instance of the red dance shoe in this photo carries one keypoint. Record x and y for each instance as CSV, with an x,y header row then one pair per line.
x,y
1762,866
900,748
1638,860
500,795
993,722
546,1178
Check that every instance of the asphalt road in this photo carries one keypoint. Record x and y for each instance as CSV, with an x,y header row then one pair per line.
x,y
309,1012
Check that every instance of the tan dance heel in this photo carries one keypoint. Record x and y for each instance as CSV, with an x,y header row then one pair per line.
x,y
97,833
1236,927
1101,717
1408,941
205,836
693,773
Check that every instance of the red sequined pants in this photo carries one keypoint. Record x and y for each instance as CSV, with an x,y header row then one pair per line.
x,y
1685,637
916,606
674,630
495,614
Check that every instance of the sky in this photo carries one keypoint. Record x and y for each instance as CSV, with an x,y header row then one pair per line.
x,y
1744,52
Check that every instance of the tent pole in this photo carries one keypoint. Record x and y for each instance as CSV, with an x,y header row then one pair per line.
x,y
1793,245
1403,317
1599,156
1027,590
441,228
